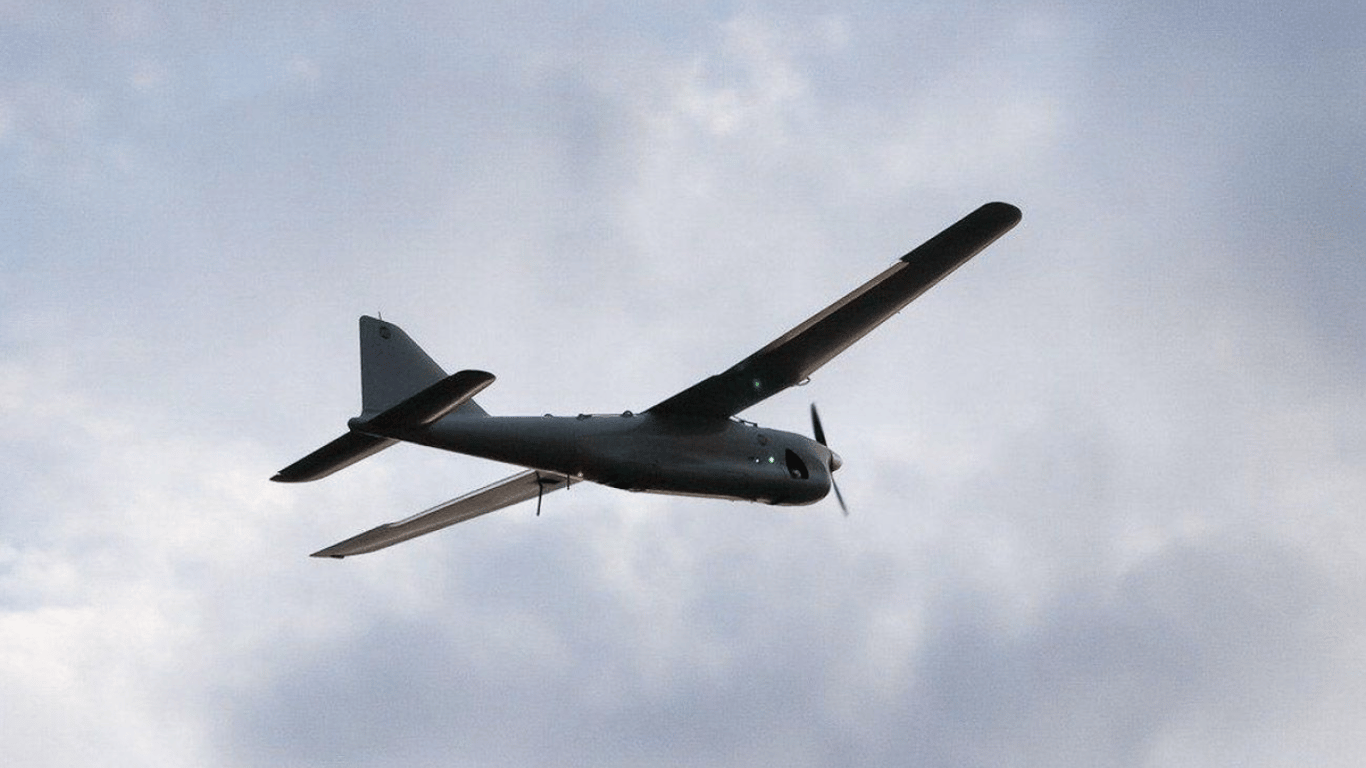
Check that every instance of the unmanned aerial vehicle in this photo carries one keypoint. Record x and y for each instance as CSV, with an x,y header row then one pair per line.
x,y
691,444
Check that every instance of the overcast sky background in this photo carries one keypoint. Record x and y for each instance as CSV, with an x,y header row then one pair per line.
x,y
1107,480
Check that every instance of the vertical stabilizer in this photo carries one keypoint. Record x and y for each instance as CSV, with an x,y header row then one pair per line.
x,y
392,366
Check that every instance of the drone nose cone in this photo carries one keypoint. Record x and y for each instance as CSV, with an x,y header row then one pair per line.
x,y
835,461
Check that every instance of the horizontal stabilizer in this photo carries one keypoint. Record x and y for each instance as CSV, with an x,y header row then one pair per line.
x,y
368,435
338,454
520,487
428,405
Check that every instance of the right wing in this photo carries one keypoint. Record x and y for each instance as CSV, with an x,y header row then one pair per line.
x,y
793,357
520,487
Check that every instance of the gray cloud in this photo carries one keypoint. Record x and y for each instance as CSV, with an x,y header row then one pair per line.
x,y
1104,478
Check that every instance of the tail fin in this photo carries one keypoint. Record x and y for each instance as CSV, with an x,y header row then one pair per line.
x,y
393,368
401,388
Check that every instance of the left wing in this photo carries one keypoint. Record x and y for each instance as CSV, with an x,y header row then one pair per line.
x,y
520,487
793,357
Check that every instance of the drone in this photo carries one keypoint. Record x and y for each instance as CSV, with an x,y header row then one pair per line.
x,y
692,444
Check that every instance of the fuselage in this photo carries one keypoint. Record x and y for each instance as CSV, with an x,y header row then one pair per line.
x,y
719,458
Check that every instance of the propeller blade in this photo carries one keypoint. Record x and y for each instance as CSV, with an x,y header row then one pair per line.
x,y
835,462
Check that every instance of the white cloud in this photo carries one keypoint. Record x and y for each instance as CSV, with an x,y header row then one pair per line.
x,y
1104,479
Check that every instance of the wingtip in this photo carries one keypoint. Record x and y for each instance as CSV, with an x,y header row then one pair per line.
x,y
1003,211
966,237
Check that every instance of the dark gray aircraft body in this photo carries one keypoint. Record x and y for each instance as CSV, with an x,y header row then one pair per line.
x,y
690,444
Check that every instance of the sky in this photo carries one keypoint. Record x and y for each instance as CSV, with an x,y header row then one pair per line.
x,y
1106,480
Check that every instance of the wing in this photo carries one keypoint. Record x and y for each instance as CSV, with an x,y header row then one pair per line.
x,y
793,357
520,487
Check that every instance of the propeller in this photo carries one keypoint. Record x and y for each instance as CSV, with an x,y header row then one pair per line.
x,y
835,461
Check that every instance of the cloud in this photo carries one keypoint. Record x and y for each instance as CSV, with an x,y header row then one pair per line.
x,y
1104,479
